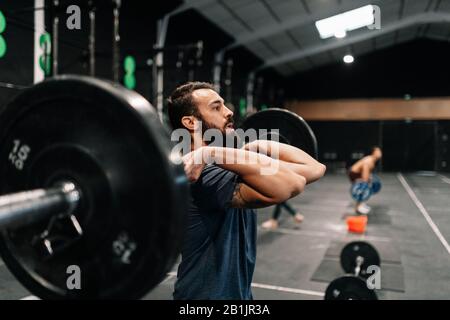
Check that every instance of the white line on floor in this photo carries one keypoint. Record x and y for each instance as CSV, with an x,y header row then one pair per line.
x,y
444,178
271,287
285,289
254,285
424,212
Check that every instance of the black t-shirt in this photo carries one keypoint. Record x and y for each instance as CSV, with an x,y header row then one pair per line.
x,y
219,251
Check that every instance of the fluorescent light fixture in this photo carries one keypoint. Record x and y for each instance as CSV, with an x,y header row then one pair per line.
x,y
347,21
348,58
340,34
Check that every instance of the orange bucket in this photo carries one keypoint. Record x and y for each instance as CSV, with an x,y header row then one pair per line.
x,y
357,224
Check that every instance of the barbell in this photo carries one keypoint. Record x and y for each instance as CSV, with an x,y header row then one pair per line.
x,y
95,159
356,258
284,126
88,179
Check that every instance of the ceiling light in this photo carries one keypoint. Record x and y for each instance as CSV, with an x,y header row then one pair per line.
x,y
340,34
347,21
348,58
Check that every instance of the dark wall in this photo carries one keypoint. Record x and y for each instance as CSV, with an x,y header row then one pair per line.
x,y
418,68
407,145
345,141
443,146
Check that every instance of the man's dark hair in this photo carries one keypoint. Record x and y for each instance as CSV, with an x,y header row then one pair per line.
x,y
372,149
180,103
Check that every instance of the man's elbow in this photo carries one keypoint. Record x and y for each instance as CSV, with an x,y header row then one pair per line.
x,y
289,190
320,170
301,184
298,186
317,172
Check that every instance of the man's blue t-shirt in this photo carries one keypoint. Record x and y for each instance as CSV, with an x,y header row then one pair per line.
x,y
219,250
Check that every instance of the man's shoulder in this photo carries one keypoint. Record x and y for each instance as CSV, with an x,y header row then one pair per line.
x,y
214,175
214,188
364,160
212,170
370,161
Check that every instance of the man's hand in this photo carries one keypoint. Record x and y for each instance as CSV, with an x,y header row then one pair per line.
x,y
194,164
291,157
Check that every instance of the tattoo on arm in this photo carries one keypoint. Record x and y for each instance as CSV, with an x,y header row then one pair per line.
x,y
238,201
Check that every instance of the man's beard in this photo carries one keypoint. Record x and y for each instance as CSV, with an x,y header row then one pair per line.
x,y
229,139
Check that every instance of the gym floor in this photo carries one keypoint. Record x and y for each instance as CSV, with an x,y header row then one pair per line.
x,y
296,262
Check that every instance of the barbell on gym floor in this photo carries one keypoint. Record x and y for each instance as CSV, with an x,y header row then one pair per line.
x,y
356,257
88,180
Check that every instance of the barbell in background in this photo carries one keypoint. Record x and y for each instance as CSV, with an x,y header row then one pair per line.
x,y
88,180
356,258
292,129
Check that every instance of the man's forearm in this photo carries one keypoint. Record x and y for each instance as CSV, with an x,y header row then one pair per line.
x,y
259,171
280,151
293,158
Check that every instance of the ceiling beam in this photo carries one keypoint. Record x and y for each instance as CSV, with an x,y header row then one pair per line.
x,y
276,28
423,18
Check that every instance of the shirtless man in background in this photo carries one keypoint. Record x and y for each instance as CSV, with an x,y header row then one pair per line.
x,y
362,170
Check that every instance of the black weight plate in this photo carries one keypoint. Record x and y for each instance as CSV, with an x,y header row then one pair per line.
x,y
349,288
293,130
354,249
110,143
